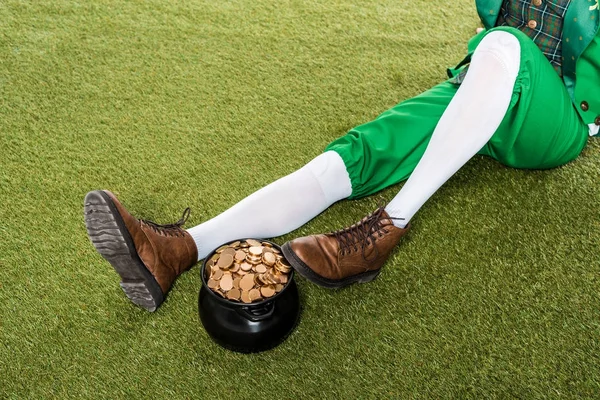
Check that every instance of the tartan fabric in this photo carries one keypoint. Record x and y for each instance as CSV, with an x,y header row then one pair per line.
x,y
549,16
547,34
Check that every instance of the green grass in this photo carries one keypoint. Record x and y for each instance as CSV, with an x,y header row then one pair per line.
x,y
494,293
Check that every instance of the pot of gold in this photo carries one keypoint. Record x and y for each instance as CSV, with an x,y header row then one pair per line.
x,y
248,301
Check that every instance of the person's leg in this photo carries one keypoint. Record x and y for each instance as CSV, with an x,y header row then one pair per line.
x,y
467,123
470,120
149,257
539,129
279,207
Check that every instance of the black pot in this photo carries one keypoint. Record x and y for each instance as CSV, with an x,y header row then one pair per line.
x,y
248,328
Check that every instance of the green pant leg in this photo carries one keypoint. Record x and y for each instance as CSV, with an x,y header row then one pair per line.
x,y
541,128
386,150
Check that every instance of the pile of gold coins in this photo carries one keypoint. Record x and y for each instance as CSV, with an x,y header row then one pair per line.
x,y
247,271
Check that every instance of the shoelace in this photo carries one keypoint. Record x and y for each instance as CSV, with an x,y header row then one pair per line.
x,y
363,233
169,229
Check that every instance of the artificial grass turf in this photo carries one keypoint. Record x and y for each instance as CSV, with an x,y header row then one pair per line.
x,y
494,293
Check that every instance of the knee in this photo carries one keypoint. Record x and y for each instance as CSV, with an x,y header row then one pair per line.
x,y
330,172
502,46
325,165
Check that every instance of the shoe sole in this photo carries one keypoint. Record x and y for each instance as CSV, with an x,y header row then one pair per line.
x,y
109,235
304,270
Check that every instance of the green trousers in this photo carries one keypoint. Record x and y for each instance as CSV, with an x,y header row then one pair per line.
x,y
541,128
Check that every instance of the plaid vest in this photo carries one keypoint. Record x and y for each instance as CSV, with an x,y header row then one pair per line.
x,y
541,20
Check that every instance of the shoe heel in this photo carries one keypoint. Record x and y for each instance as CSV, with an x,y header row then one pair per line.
x,y
368,276
140,294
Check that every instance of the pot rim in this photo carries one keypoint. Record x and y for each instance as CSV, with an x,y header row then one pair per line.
x,y
239,303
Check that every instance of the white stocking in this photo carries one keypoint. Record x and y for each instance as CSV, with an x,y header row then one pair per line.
x,y
468,123
279,207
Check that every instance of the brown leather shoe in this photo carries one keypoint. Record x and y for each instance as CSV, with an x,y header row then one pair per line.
x,y
353,254
147,256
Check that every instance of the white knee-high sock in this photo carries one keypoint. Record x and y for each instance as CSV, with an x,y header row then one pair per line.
x,y
468,123
279,207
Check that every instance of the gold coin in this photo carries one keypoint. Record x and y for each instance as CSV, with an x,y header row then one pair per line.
x,y
278,287
253,243
255,250
261,268
212,283
236,282
246,266
240,255
233,294
255,294
269,258
228,250
283,262
235,244
235,267
272,279
214,258
253,260
225,261
283,268
267,244
267,291
280,269
247,282
220,249
245,296
217,275
226,282
219,293
261,279
283,278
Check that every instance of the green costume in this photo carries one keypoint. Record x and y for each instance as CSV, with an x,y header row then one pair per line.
x,y
546,124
